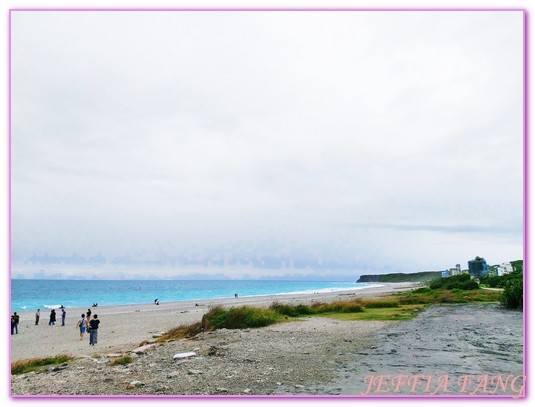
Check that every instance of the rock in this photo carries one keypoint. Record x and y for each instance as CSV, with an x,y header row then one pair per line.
x,y
222,389
195,372
135,384
184,355
216,351
56,368
246,391
172,375
299,386
143,349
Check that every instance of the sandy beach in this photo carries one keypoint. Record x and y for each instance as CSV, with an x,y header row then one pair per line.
x,y
124,327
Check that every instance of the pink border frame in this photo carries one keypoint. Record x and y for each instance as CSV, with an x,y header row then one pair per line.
x,y
272,397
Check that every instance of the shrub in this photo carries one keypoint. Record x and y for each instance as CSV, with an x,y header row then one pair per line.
x,y
461,281
291,310
513,294
239,318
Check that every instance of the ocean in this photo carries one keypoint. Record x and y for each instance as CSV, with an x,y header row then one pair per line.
x,y
48,294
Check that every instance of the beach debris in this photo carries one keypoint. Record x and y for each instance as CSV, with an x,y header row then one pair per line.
x,y
299,386
184,355
135,384
195,372
143,349
246,391
222,390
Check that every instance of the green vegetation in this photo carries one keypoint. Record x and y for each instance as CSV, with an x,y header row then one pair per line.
x,y
123,360
444,296
512,283
499,281
399,277
397,307
398,313
461,281
29,365
518,266
513,294
317,308
239,318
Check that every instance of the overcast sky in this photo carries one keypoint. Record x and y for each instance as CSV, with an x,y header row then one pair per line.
x,y
266,143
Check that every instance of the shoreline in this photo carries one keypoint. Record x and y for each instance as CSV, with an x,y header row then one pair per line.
x,y
334,290
124,327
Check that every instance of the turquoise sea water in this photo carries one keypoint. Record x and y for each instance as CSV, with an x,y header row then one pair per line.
x,y
33,294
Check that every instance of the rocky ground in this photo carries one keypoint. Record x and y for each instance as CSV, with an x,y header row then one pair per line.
x,y
292,355
316,356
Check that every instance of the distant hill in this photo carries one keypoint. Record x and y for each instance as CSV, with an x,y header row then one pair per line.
x,y
400,277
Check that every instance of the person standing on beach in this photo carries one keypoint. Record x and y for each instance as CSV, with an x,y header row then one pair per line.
x,y
37,316
88,313
16,319
63,314
82,324
52,320
93,330
14,323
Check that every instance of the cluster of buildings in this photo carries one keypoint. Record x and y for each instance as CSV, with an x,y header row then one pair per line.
x,y
479,268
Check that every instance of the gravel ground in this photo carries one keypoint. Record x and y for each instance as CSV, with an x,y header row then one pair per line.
x,y
264,361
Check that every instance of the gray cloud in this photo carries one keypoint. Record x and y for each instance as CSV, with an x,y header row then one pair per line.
x,y
207,134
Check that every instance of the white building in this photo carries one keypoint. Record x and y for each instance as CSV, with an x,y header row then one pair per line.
x,y
504,268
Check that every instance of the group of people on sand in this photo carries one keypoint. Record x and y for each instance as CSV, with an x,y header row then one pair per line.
x,y
52,317
86,324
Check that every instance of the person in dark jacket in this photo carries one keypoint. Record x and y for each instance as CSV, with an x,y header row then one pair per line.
x,y
15,323
52,320
93,330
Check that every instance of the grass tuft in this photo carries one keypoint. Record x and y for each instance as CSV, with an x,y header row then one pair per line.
x,y
181,331
123,360
29,365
